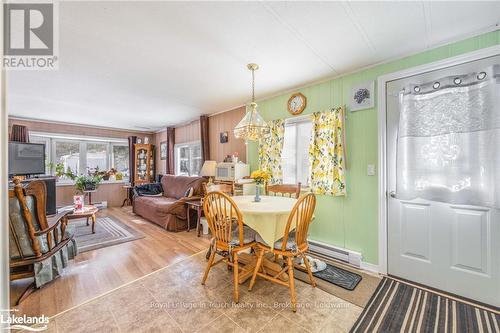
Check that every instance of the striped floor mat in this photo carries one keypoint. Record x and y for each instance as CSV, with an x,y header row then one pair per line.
x,y
399,307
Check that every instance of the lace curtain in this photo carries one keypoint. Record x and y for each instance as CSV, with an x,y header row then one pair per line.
x,y
326,153
270,149
448,146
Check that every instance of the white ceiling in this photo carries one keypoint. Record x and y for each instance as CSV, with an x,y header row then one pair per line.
x,y
146,65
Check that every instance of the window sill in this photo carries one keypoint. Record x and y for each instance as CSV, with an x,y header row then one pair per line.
x,y
104,182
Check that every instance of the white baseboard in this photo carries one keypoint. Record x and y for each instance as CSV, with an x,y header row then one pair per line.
x,y
370,267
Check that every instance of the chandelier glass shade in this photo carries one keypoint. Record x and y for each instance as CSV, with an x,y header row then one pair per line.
x,y
252,127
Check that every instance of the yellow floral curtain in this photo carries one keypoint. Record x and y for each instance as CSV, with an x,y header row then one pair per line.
x,y
270,148
326,153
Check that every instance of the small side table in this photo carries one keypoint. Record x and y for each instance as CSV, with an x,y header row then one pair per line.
x,y
88,212
128,200
198,207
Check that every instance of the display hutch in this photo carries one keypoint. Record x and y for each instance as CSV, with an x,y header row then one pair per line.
x,y
144,163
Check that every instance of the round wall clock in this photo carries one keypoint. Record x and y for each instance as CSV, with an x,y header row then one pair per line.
x,y
297,103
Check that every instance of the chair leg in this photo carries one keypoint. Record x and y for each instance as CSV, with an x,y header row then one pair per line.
x,y
209,265
292,283
28,291
309,272
236,281
256,269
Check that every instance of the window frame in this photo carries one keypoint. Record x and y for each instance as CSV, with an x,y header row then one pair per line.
x,y
295,122
177,150
111,155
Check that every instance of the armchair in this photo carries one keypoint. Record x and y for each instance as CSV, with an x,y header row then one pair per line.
x,y
40,246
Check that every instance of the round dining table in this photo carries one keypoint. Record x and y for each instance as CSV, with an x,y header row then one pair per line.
x,y
267,217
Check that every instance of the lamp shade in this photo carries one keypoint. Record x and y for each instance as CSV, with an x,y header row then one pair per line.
x,y
208,169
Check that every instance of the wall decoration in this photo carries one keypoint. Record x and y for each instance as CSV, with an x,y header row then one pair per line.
x,y
362,96
163,150
224,137
297,103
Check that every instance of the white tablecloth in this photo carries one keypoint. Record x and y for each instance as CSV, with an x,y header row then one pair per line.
x,y
268,217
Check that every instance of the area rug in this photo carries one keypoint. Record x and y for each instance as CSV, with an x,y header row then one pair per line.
x,y
108,232
399,307
338,276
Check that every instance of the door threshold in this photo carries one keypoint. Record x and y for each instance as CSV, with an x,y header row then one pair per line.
x,y
456,297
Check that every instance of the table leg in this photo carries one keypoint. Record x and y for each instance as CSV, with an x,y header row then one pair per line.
x,y
127,201
87,220
189,218
93,223
198,227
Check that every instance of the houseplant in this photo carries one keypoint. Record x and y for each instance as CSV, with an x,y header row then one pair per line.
x,y
87,183
260,177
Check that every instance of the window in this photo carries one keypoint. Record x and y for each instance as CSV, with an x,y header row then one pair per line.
x,y
120,159
84,154
97,156
188,159
68,153
46,142
295,156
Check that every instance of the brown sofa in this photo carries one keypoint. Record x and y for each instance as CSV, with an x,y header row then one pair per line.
x,y
169,210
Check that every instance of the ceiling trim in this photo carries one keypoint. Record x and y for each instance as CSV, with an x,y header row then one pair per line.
x,y
297,35
79,125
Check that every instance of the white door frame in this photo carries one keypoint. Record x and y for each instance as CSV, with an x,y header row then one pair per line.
x,y
383,191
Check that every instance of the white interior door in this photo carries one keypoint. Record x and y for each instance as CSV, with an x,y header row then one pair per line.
x,y
455,248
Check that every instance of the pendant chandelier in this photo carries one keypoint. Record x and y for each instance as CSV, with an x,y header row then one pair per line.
x,y
252,127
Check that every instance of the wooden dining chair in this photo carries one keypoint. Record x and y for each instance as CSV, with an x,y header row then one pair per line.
x,y
284,190
231,236
224,188
293,244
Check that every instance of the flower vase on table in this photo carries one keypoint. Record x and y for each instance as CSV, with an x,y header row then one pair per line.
x,y
257,193
260,178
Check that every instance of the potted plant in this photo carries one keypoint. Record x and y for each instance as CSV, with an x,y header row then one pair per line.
x,y
59,168
87,183
260,177
69,173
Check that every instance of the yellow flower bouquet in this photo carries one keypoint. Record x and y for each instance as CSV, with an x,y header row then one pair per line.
x,y
260,176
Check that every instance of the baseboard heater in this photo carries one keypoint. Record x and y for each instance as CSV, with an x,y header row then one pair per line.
x,y
334,252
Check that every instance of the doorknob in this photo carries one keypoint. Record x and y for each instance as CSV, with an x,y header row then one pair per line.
x,y
392,194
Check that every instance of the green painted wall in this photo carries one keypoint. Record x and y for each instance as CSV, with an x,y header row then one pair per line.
x,y
351,221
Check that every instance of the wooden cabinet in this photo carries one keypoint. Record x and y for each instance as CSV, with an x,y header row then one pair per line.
x,y
144,163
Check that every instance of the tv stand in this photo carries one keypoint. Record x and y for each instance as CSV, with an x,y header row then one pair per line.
x,y
50,184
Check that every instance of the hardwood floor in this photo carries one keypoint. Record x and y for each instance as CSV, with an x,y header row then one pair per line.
x,y
96,272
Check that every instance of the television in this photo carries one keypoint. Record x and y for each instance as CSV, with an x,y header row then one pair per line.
x,y
26,159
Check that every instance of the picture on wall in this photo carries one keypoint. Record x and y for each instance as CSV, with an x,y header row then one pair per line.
x,y
224,137
163,150
362,96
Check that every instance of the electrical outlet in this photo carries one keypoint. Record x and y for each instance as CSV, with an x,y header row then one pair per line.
x,y
370,170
